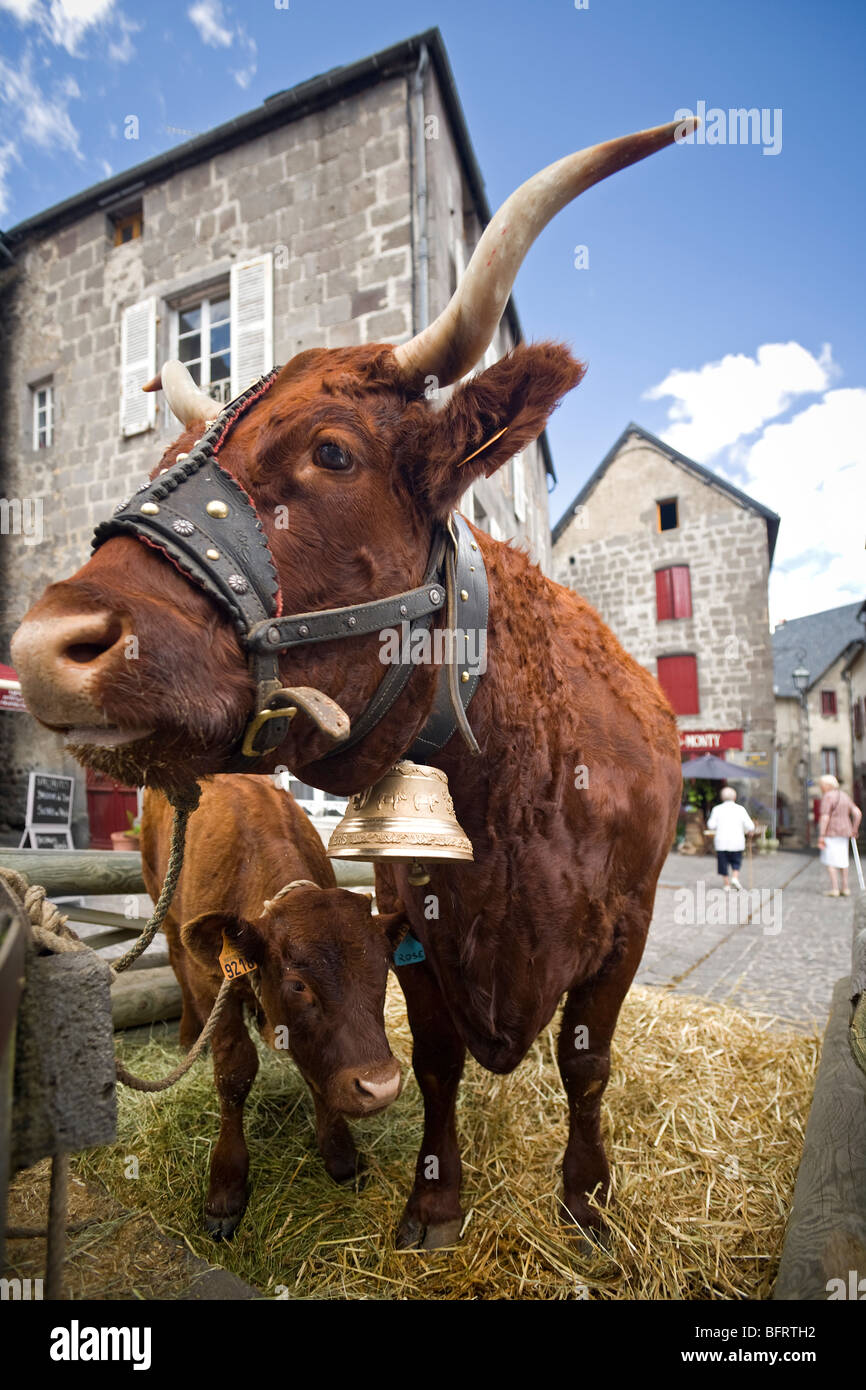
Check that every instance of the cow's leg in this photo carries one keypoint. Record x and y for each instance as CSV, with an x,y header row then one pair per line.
x,y
433,1215
192,1020
588,1024
342,1161
235,1063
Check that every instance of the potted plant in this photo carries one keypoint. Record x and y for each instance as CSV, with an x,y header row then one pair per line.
x,y
129,839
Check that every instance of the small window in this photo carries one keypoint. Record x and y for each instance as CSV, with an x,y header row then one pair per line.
x,y
668,514
830,762
518,476
678,678
858,718
673,593
202,333
43,415
828,702
127,226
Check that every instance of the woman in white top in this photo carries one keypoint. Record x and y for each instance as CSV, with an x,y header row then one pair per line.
x,y
731,824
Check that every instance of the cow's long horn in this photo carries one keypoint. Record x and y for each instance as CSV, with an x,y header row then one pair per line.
x,y
459,337
187,401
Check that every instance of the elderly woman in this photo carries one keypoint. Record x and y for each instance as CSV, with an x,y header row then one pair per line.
x,y
731,824
839,820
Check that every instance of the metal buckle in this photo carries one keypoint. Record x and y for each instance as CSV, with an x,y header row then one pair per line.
x,y
258,722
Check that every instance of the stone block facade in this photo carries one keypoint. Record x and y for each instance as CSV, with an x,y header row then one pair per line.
x,y
609,547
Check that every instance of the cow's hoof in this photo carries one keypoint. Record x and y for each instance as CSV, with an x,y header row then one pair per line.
x,y
351,1174
412,1234
586,1240
222,1227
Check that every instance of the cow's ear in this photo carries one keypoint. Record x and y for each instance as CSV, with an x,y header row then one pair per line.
x,y
203,936
395,925
513,400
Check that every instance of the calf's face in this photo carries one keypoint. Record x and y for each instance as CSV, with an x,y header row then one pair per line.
x,y
322,968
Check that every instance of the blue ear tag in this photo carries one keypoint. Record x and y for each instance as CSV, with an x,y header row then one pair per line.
x,y
409,952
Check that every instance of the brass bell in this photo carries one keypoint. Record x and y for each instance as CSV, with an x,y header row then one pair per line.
x,y
408,815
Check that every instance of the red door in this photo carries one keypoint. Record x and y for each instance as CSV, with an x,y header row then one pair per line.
x,y
107,805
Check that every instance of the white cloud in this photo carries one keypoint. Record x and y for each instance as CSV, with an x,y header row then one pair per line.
x,y
207,16
721,402
217,30
23,10
68,20
8,156
40,118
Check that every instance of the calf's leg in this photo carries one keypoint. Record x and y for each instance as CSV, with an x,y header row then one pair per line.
x,y
588,1024
433,1215
235,1063
342,1161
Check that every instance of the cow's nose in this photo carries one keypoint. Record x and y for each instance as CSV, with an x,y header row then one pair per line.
x,y
375,1088
59,659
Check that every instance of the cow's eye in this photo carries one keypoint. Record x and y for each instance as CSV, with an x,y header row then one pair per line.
x,y
297,985
332,456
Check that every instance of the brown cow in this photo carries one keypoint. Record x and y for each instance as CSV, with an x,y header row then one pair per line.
x,y
559,898
322,966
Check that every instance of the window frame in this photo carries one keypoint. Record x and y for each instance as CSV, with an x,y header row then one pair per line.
x,y
667,502
828,698
829,762
133,219
671,595
36,389
202,298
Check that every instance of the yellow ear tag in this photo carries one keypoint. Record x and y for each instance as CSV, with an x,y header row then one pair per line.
x,y
233,964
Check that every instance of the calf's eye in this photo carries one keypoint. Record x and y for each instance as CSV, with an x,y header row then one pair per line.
x,y
297,985
332,456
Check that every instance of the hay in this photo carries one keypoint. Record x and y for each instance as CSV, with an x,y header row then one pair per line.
x,y
704,1119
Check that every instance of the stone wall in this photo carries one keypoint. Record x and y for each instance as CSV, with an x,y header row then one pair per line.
x,y
610,550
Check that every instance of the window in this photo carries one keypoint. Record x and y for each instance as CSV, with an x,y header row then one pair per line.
x,y
858,718
828,702
466,505
668,514
678,678
317,804
830,762
203,332
673,593
43,415
127,226
518,477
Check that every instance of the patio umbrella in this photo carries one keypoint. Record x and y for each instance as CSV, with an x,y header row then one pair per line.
x,y
716,769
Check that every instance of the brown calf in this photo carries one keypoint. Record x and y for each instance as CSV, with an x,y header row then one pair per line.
x,y
322,966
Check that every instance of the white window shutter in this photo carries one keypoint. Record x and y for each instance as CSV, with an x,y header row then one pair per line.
x,y
494,529
252,321
518,477
137,365
466,505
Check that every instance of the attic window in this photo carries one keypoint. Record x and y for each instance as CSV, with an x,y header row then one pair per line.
x,y
127,226
668,514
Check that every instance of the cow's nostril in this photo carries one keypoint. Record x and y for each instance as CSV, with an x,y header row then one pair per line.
x,y
381,1090
95,644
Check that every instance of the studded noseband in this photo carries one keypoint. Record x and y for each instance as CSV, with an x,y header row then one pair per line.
x,y
199,517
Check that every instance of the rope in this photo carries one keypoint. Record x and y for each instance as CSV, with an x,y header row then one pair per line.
x,y
184,804
49,924
58,1201
139,1083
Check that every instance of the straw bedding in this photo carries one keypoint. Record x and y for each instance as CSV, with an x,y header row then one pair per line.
x,y
703,1118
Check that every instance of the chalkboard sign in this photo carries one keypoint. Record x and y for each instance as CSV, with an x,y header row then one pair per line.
x,y
49,799
50,839
49,811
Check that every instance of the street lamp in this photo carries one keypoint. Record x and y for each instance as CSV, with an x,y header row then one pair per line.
x,y
800,677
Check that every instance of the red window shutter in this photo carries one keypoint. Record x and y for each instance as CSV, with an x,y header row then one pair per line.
x,y
828,702
673,593
678,678
682,591
664,595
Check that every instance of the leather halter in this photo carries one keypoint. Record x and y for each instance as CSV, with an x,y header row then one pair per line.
x,y
199,517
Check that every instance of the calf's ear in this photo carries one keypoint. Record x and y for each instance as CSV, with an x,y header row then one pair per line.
x,y
513,399
395,926
203,935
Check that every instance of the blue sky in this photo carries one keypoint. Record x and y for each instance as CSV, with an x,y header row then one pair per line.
x,y
722,304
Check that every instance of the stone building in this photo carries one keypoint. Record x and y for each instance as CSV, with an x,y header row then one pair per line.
x,y
340,212
820,728
676,561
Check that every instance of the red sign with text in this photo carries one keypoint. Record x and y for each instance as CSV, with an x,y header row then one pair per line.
x,y
709,740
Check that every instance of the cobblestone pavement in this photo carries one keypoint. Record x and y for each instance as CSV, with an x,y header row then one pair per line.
x,y
773,952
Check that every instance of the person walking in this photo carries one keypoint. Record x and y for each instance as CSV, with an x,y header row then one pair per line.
x,y
730,824
838,820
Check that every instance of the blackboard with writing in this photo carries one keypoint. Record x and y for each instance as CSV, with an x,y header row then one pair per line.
x,y
51,839
50,801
